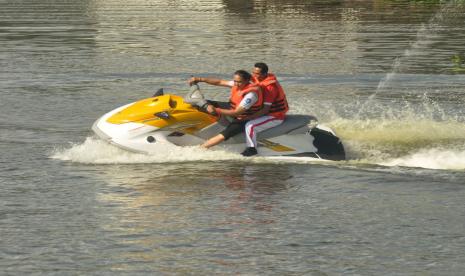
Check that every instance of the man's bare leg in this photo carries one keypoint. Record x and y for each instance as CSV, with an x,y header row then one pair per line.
x,y
215,140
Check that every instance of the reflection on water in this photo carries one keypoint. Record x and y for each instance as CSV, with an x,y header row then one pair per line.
x,y
153,210
335,9
48,26
362,36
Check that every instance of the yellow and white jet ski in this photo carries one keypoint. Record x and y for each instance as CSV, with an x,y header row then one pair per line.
x,y
166,118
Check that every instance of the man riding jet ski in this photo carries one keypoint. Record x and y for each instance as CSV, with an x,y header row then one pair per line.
x,y
168,118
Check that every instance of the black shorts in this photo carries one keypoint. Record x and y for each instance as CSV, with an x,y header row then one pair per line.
x,y
224,105
235,127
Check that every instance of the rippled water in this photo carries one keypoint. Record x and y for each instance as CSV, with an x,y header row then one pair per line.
x,y
387,76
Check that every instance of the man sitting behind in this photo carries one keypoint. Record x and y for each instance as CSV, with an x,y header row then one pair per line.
x,y
274,109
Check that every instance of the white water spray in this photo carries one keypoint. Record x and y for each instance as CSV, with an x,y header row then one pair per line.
x,y
96,151
435,158
424,38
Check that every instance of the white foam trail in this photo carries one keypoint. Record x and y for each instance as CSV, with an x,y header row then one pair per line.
x,y
96,151
435,158
411,142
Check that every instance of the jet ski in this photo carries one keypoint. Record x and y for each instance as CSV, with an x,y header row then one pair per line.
x,y
181,121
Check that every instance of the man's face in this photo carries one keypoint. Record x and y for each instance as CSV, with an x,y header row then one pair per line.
x,y
238,81
257,73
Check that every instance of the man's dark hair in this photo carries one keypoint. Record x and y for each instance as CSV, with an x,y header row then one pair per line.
x,y
244,75
263,67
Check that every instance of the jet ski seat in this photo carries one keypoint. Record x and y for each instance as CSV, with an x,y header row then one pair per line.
x,y
290,124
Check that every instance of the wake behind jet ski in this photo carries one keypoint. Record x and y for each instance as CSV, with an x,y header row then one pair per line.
x,y
168,118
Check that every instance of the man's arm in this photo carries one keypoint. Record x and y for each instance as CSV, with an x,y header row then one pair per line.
x,y
228,112
269,97
247,102
211,81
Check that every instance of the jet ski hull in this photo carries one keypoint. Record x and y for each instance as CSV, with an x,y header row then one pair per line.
x,y
297,136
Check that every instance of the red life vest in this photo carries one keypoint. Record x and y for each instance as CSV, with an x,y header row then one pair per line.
x,y
237,96
279,107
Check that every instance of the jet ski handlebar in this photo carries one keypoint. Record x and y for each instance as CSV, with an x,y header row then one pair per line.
x,y
195,96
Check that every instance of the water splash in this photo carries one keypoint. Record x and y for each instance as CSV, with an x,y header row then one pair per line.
x,y
435,158
425,36
434,145
387,79
405,138
96,151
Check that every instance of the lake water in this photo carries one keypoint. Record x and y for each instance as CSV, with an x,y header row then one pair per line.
x,y
387,76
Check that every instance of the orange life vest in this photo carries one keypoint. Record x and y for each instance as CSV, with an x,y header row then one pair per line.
x,y
279,107
237,96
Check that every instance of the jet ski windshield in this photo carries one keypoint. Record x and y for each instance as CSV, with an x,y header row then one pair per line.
x,y
195,96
